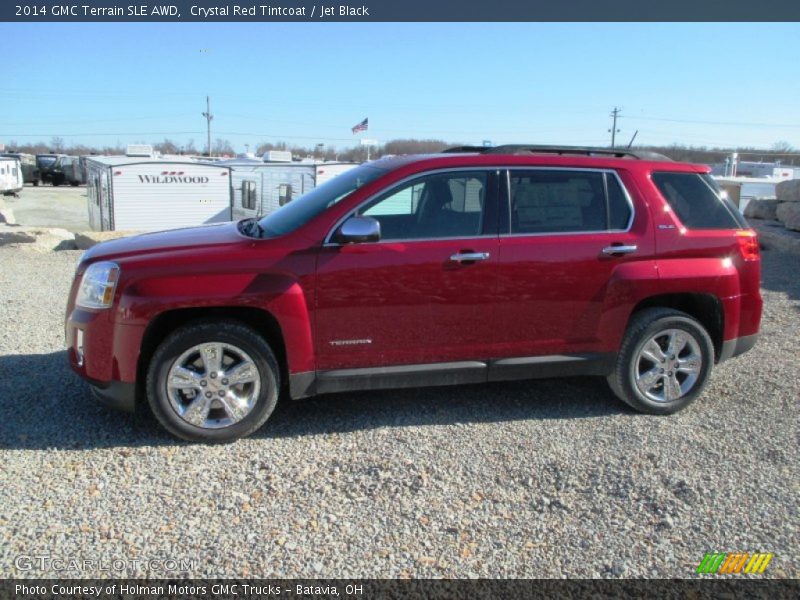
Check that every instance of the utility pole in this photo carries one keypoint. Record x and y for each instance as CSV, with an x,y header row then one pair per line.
x,y
614,131
208,117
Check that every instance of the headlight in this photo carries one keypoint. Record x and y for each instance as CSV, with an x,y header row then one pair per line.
x,y
98,285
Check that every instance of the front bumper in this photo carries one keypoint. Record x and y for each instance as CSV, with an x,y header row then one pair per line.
x,y
737,346
116,394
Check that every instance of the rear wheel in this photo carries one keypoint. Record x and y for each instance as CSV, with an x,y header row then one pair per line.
x,y
213,381
664,362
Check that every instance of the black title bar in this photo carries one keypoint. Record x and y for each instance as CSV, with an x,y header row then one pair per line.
x,y
104,11
415,589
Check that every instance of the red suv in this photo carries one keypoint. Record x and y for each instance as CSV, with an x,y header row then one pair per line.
x,y
474,265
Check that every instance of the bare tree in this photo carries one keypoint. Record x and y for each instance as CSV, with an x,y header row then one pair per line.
x,y
167,147
222,146
782,146
57,144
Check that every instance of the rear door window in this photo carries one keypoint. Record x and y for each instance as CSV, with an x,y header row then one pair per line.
x,y
567,201
696,202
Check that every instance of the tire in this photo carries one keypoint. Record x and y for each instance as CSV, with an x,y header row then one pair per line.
x,y
240,409
36,183
639,363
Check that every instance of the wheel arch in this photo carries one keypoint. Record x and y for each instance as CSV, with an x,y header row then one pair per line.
x,y
262,321
706,308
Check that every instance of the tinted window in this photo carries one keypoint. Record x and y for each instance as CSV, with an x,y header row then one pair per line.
x,y
695,202
437,206
545,201
45,161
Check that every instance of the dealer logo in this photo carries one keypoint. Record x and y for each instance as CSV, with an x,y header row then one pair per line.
x,y
722,563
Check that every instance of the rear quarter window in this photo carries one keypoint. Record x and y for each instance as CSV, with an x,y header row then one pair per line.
x,y
696,202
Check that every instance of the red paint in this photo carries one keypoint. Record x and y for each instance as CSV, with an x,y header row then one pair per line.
x,y
536,295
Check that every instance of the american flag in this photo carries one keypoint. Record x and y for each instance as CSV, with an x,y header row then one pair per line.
x,y
363,126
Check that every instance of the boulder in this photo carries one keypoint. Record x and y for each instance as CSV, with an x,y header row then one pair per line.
x,y
773,236
16,236
40,239
7,216
788,191
762,208
86,239
789,214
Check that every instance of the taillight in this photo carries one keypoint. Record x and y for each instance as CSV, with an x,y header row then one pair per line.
x,y
748,244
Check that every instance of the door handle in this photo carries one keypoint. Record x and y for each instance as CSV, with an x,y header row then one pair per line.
x,y
461,257
621,249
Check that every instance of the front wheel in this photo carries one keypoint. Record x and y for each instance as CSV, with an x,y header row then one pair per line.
x,y
213,381
664,363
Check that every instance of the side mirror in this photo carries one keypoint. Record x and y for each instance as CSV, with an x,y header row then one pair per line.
x,y
357,230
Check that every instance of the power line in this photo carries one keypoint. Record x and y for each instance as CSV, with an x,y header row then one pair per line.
x,y
89,134
725,123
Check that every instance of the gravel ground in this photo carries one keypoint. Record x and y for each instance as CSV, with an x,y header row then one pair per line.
x,y
48,206
551,478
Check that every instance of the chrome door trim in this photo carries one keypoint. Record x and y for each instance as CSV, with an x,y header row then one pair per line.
x,y
624,249
461,257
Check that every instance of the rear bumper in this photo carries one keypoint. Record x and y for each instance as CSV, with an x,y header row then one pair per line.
x,y
115,394
737,346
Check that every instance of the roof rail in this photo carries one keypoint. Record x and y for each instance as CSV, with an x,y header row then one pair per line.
x,y
561,150
463,149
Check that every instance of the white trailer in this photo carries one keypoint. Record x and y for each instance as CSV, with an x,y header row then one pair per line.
x,y
10,175
150,194
260,188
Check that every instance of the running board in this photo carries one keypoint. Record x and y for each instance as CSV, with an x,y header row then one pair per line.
x,y
303,385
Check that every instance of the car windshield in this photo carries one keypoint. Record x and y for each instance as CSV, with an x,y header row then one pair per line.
x,y
46,160
300,211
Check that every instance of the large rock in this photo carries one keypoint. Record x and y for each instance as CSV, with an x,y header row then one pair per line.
x,y
788,191
789,214
16,236
38,238
762,208
7,216
773,236
86,239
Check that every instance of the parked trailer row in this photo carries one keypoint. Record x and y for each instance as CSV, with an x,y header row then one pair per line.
x,y
148,193
259,188
30,171
10,175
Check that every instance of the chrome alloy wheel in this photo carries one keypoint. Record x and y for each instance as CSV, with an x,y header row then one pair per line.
x,y
668,365
213,385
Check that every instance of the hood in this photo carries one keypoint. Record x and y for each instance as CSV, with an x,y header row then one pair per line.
x,y
191,237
